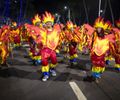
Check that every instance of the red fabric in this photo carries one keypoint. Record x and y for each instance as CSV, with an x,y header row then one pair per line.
x,y
33,51
47,54
17,39
72,50
117,60
89,28
98,60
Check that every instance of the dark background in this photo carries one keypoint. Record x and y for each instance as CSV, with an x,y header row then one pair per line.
x,y
22,9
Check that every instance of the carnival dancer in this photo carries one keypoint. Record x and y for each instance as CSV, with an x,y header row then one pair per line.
x,y
72,41
34,48
49,39
99,48
115,51
4,44
15,34
115,47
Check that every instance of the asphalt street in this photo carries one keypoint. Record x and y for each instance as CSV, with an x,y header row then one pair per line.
x,y
22,81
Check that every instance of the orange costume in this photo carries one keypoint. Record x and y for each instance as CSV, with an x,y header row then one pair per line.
x,y
49,39
100,44
4,44
15,34
100,47
35,49
115,48
72,38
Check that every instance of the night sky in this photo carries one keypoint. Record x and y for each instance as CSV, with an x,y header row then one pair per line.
x,y
78,10
31,7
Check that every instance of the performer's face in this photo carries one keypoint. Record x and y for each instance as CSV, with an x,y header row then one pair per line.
x,y
48,25
100,32
37,24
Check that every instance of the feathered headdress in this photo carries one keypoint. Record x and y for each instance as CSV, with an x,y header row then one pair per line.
x,y
48,17
102,24
36,19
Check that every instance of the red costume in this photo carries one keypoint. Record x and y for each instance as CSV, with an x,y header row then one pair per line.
x,y
4,44
99,47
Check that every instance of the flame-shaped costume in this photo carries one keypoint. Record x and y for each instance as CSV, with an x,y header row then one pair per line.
x,y
72,38
50,41
4,44
15,34
115,51
48,38
100,47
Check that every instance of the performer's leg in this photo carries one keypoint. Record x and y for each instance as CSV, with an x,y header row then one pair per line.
x,y
45,69
53,63
117,67
97,71
3,56
73,59
45,66
98,67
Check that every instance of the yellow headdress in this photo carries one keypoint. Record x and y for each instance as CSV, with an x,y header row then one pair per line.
x,y
48,17
102,24
107,25
69,24
36,19
14,24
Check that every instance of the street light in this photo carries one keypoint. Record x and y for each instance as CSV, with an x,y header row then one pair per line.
x,y
57,17
56,14
67,8
101,11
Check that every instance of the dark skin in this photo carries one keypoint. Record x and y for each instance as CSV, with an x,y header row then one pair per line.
x,y
37,24
100,32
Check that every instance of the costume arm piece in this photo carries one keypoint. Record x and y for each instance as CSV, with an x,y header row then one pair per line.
x,y
110,37
117,33
113,50
89,29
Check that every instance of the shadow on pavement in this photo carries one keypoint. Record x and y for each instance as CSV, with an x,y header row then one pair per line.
x,y
68,77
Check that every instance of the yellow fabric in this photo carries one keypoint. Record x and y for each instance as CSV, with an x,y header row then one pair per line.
x,y
3,54
80,47
53,65
98,69
57,51
117,65
66,49
36,57
100,46
30,54
73,56
45,68
17,45
50,40
109,58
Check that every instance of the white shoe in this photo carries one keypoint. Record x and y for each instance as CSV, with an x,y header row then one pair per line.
x,y
45,78
53,72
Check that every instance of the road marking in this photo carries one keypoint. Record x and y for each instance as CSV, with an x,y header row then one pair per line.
x,y
77,91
